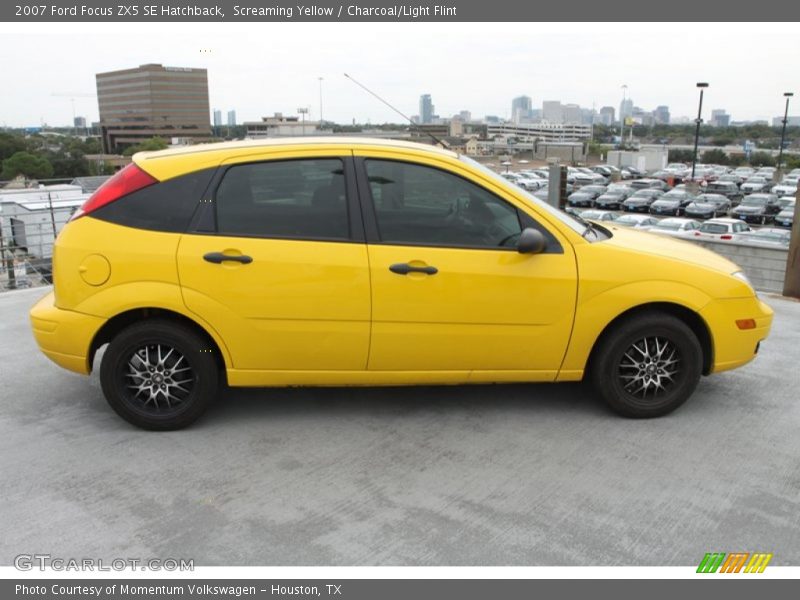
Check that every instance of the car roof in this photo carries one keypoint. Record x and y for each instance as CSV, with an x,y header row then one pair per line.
x,y
185,159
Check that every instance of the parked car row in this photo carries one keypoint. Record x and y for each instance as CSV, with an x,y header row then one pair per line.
x,y
719,229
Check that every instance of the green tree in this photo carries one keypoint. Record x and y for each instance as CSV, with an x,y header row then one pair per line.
x,y
10,144
27,164
762,159
678,155
714,157
154,143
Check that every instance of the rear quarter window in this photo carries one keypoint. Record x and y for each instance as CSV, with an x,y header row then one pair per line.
x,y
164,206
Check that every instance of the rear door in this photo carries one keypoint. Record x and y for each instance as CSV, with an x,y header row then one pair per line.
x,y
278,266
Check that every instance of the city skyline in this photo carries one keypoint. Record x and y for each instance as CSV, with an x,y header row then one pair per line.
x,y
482,75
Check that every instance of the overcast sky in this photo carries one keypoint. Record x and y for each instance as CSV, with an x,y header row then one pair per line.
x,y
260,68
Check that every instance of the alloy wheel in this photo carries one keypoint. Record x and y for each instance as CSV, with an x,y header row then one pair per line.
x,y
650,367
158,377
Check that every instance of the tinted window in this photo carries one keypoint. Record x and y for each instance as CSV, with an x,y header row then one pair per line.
x,y
165,206
421,205
291,199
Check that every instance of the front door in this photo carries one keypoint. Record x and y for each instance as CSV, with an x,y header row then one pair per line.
x,y
449,290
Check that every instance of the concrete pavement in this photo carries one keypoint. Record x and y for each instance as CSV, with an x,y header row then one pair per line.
x,y
484,475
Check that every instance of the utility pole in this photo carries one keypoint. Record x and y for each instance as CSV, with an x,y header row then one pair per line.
x,y
791,281
699,120
783,131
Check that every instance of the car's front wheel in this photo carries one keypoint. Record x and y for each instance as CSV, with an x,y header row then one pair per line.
x,y
159,375
648,365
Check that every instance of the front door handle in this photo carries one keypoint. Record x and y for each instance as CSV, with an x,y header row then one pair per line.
x,y
405,269
218,257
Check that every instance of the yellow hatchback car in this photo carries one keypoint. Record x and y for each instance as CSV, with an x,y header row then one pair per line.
x,y
335,261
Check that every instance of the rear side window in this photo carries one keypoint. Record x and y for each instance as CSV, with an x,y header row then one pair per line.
x,y
303,199
165,206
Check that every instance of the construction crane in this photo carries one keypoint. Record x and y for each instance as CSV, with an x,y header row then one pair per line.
x,y
72,97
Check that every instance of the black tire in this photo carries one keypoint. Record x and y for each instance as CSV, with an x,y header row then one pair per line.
x,y
617,376
163,402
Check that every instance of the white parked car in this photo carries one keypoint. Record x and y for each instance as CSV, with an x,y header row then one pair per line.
x,y
721,229
767,236
636,221
676,227
755,184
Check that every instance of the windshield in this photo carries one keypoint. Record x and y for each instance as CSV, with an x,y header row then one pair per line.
x,y
752,201
577,224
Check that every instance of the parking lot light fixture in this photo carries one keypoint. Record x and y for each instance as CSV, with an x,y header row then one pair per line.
x,y
698,121
783,131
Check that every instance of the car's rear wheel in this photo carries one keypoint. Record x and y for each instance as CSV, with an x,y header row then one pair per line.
x,y
159,375
648,365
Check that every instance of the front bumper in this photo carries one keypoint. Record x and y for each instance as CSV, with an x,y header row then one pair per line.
x,y
732,346
64,336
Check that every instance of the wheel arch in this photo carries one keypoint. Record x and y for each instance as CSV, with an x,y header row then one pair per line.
x,y
691,318
122,320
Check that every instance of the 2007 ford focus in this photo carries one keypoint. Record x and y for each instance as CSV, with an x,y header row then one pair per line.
x,y
333,261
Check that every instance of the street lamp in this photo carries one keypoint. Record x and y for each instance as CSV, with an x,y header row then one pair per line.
x,y
783,132
699,120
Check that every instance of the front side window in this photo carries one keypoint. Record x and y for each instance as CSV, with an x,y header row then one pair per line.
x,y
302,199
420,205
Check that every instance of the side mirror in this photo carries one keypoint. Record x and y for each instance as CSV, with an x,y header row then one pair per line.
x,y
531,241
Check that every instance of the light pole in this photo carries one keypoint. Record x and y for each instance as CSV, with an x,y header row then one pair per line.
x,y
622,116
699,120
783,131
303,112
320,101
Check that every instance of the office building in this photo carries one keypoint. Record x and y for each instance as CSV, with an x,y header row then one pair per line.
x,y
719,118
521,109
231,118
552,111
217,118
152,100
426,109
606,116
280,126
661,115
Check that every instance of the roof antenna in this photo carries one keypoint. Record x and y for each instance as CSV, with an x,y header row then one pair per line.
x,y
414,125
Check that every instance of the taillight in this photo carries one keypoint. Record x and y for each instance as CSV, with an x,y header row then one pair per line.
x,y
125,181
726,237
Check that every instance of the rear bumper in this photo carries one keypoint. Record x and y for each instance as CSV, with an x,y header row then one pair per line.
x,y
734,347
64,336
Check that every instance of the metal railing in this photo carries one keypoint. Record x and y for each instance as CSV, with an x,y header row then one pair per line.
x,y
27,264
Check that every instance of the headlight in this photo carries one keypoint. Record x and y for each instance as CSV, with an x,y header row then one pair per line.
x,y
742,277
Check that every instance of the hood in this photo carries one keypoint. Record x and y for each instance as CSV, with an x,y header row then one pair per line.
x,y
669,247
703,206
748,210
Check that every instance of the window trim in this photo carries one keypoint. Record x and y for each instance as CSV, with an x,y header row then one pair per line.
x,y
205,219
370,217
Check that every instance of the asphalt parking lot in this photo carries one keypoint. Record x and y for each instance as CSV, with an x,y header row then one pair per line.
x,y
485,475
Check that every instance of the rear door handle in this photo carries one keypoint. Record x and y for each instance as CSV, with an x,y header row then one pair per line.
x,y
218,257
405,269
